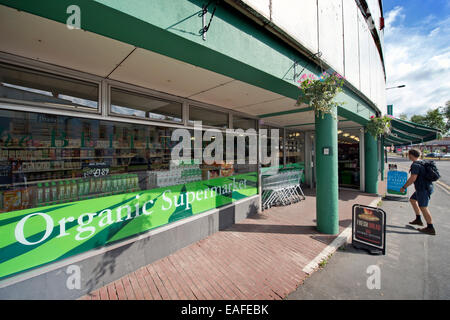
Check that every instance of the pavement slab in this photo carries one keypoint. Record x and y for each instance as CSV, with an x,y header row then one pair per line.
x,y
416,266
261,257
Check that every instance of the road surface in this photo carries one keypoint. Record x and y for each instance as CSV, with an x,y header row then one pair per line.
x,y
416,266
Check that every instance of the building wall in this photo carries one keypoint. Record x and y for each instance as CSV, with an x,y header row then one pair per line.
x,y
351,43
286,14
338,29
235,45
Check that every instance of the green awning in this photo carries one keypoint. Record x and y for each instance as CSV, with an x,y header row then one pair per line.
x,y
405,132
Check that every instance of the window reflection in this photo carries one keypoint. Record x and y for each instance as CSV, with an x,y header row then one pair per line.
x,y
50,159
39,87
142,106
208,117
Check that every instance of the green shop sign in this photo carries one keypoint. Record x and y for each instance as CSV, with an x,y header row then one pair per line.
x,y
37,236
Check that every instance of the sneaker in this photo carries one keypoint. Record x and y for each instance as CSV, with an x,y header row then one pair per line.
x,y
428,230
417,222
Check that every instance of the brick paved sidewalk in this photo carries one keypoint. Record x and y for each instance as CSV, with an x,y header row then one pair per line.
x,y
261,257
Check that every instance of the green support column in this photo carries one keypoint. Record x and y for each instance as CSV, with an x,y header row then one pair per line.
x,y
327,193
371,163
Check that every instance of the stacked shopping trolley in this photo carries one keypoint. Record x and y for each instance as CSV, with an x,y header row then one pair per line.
x,y
282,188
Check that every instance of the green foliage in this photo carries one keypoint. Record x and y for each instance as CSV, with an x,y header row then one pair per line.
x,y
447,115
418,119
434,119
378,126
320,93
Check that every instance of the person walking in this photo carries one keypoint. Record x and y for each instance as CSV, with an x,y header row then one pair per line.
x,y
421,197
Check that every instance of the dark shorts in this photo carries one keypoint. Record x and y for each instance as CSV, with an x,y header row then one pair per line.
x,y
422,197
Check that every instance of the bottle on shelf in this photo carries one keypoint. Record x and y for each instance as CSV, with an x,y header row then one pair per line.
x,y
129,183
47,194
86,188
136,182
54,193
74,191
80,189
98,185
107,183
68,191
91,186
119,184
61,192
40,195
113,184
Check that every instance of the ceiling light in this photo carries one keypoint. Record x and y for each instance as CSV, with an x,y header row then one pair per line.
x,y
346,134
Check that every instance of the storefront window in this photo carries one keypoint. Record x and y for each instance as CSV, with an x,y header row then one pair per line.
x,y
27,85
349,160
295,148
50,159
208,117
295,151
278,145
69,184
137,105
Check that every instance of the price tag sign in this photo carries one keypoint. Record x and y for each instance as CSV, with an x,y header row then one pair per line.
x,y
95,169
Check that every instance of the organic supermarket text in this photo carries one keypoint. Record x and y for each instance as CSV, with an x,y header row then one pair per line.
x,y
86,229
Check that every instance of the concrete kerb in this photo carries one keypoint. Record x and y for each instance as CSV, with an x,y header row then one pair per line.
x,y
343,238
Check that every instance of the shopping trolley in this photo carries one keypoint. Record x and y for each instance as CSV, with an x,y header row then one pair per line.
x,y
282,188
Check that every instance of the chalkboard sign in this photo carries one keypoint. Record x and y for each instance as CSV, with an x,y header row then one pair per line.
x,y
369,228
395,181
95,169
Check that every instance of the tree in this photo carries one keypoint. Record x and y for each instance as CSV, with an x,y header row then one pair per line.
x,y
417,118
434,119
403,116
447,114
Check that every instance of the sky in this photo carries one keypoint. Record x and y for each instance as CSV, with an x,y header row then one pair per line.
x,y
417,54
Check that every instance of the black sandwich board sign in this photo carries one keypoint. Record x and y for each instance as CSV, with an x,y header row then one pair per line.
x,y
369,229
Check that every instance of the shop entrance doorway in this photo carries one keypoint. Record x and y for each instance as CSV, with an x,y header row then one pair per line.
x,y
349,158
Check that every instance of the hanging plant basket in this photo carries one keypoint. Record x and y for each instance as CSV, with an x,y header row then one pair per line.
x,y
378,126
320,92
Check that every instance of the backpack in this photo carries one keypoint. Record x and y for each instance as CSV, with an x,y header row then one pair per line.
x,y
431,171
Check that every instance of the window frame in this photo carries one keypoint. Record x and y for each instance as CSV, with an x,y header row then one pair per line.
x,y
138,91
209,108
58,73
104,98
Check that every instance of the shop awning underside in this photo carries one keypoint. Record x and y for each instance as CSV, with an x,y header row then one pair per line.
x,y
404,133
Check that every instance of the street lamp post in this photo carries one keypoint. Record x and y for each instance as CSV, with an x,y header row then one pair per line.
x,y
401,86
391,112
